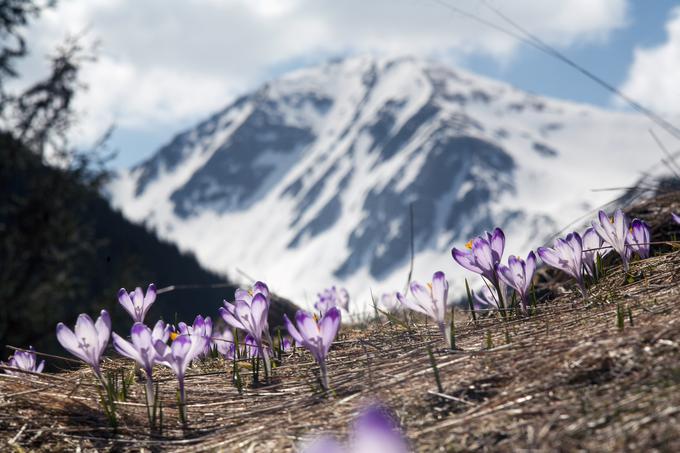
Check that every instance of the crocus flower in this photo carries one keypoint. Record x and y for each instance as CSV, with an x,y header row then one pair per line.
x,y
25,361
389,301
314,336
89,340
566,255
483,253
487,298
430,300
224,342
614,232
161,331
202,327
592,248
676,217
518,275
332,297
178,355
136,302
141,349
638,238
251,317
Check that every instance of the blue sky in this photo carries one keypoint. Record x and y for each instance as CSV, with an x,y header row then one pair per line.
x,y
200,54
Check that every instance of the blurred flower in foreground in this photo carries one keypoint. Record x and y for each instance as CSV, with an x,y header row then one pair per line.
x,y
332,297
314,336
566,255
518,274
614,231
136,302
639,237
89,340
24,360
676,217
374,431
431,301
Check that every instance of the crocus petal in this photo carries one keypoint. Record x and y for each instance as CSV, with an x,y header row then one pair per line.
x,y
440,294
497,242
68,340
465,259
328,326
306,325
676,218
126,302
292,330
126,349
406,302
103,326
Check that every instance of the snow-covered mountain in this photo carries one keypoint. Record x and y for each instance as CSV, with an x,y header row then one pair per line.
x,y
307,181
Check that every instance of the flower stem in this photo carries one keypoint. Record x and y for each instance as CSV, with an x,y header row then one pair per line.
x,y
324,374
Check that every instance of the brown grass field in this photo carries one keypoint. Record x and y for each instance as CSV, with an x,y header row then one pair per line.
x,y
568,378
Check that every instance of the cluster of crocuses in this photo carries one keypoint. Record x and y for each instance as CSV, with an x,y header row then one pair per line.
x,y
576,254
177,347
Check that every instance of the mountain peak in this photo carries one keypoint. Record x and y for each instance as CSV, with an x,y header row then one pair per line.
x,y
309,179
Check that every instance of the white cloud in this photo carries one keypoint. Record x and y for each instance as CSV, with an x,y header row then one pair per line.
x,y
654,76
167,61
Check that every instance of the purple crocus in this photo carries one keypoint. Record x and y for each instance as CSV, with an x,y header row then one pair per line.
x,y
676,218
24,361
614,231
89,340
136,302
487,298
161,331
178,355
592,248
141,349
566,255
202,328
518,275
389,301
332,297
314,336
639,237
430,300
251,317
483,253
224,342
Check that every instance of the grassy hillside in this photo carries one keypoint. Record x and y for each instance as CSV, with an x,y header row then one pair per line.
x,y
64,251
571,377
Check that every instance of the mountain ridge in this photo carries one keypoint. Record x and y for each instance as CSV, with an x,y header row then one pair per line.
x,y
340,151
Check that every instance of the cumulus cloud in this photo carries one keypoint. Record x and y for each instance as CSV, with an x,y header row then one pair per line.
x,y
654,76
165,61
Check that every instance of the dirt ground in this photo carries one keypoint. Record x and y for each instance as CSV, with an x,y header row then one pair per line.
x,y
570,377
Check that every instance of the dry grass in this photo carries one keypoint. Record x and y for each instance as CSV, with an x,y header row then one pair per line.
x,y
565,379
